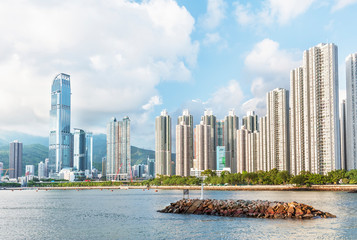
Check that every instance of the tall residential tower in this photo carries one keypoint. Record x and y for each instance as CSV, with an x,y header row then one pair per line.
x,y
163,144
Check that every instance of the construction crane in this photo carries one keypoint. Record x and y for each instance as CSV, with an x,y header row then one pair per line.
x,y
8,169
118,171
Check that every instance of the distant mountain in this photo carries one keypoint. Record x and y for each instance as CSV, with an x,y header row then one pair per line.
x,y
6,137
35,153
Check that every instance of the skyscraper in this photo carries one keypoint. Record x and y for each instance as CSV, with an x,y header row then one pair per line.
x,y
264,154
351,104
79,149
163,144
314,112
231,125
278,128
203,147
242,142
118,149
15,159
60,125
184,144
41,170
209,119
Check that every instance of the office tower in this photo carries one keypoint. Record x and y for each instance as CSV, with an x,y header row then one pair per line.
x,y
30,170
351,110
209,119
89,151
47,161
314,112
15,159
278,128
251,121
41,170
242,142
104,167
79,149
343,135
163,144
203,147
231,125
184,144
118,149
264,154
60,124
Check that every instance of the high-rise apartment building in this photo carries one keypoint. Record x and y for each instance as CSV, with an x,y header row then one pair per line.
x,y
351,109
315,138
231,125
252,151
203,147
104,167
209,119
242,142
15,159
118,149
163,144
278,128
251,121
79,149
30,170
343,135
264,162
184,144
41,170
89,151
60,124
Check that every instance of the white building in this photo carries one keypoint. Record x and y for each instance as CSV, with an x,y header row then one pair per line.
x,y
30,170
314,112
351,104
278,128
41,170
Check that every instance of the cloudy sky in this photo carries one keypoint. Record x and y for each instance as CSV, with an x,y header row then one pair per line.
x,y
135,58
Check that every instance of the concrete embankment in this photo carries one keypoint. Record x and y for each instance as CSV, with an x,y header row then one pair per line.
x,y
346,188
244,208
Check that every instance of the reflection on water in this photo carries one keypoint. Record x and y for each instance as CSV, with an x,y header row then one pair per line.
x,y
131,214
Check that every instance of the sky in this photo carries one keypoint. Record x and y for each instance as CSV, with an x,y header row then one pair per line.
x,y
136,58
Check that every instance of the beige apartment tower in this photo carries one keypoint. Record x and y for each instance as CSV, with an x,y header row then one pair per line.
x,y
163,162
184,144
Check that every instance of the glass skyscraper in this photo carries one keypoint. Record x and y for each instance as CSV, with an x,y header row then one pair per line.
x,y
60,125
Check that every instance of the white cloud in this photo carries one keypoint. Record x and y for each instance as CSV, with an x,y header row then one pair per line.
x,y
155,100
271,11
269,66
211,38
339,4
215,14
115,62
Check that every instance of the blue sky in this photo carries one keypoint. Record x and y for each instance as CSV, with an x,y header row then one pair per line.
x,y
136,58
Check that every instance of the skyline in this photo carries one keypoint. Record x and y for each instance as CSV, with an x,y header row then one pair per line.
x,y
217,58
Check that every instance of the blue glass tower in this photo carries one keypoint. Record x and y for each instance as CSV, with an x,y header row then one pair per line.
x,y
60,117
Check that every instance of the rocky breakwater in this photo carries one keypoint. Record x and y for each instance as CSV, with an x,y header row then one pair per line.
x,y
244,208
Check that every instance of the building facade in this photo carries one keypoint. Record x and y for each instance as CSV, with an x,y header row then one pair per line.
x,y
163,163
351,110
278,129
203,147
315,112
231,125
60,124
118,149
79,150
15,159
184,144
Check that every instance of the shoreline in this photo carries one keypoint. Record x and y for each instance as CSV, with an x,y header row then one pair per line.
x,y
332,188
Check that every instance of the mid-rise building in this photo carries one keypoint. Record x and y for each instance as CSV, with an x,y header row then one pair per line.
x,y
118,149
47,162
278,128
221,157
60,124
315,138
163,144
351,111
15,159
41,170
151,167
30,170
